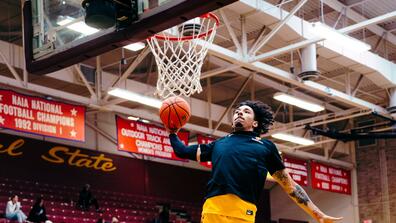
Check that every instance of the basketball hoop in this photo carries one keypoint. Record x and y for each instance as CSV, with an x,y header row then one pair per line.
x,y
179,53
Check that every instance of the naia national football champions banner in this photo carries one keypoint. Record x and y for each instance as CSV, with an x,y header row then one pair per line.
x,y
43,117
329,178
146,139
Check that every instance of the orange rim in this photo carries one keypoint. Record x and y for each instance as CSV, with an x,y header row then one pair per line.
x,y
184,38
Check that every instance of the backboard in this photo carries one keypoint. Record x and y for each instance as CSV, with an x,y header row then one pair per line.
x,y
56,35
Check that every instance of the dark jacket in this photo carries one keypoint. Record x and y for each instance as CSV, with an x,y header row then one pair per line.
x,y
37,214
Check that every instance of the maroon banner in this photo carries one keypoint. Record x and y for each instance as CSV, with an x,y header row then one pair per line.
x,y
43,117
147,139
298,170
201,139
329,178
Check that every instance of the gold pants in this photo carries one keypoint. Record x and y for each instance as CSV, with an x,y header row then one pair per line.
x,y
215,218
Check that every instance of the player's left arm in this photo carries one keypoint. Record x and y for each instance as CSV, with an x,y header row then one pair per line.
x,y
298,195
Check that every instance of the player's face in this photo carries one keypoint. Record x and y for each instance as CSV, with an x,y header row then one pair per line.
x,y
243,119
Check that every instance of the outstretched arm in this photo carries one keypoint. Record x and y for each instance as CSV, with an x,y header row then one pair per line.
x,y
181,150
298,195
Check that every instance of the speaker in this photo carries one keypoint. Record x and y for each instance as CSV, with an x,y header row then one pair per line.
x,y
103,14
100,14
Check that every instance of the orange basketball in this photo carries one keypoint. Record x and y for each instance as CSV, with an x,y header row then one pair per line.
x,y
174,112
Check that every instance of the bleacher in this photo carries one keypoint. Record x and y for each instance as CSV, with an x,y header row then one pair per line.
x,y
60,203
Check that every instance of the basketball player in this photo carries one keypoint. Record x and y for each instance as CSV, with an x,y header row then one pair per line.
x,y
240,164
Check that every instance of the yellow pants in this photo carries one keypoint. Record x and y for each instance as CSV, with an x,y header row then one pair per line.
x,y
228,208
215,218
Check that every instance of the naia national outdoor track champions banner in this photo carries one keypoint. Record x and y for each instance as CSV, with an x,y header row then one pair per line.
x,y
146,139
43,117
329,178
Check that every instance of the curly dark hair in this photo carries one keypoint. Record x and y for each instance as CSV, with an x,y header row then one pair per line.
x,y
262,114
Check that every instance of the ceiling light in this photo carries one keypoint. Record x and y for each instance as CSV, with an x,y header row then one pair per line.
x,y
144,121
289,99
133,118
135,46
332,35
79,26
132,96
293,139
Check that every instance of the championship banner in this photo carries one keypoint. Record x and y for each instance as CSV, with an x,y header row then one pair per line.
x,y
298,170
43,117
329,178
201,139
147,139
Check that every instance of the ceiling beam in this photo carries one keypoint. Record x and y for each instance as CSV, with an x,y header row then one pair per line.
x,y
128,71
230,30
351,14
315,13
10,67
380,70
353,3
288,48
366,23
282,75
278,26
260,79
77,68
226,83
319,120
217,71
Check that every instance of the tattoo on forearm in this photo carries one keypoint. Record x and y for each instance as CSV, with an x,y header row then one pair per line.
x,y
300,195
316,214
282,177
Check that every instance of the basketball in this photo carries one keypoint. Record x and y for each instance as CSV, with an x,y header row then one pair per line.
x,y
174,112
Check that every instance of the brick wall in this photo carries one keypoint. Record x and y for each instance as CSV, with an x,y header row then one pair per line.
x,y
391,160
376,173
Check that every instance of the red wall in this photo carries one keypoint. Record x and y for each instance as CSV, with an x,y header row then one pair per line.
x,y
181,183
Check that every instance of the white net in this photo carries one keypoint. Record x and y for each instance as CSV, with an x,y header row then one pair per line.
x,y
179,53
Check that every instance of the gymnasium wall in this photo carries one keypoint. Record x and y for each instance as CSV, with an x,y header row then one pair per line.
x,y
376,169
